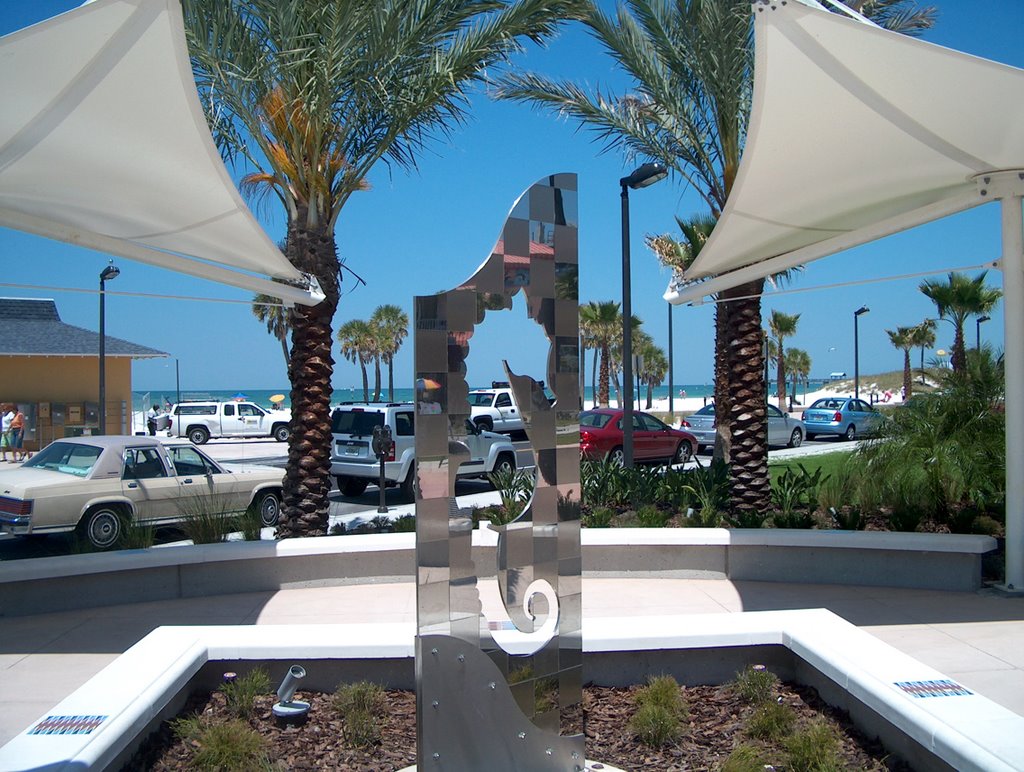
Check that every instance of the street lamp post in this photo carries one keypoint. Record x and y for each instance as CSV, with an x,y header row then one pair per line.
x,y
856,350
643,177
108,273
177,380
671,386
977,331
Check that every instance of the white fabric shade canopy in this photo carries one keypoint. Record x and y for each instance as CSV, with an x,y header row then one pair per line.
x,y
856,132
103,143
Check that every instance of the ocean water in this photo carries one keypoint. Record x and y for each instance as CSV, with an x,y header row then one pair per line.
x,y
141,400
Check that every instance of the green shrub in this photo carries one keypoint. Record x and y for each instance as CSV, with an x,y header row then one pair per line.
x,y
136,536
240,694
380,524
814,749
848,518
362,707
338,529
404,524
205,520
600,483
745,758
771,721
641,485
598,517
986,525
250,524
649,516
231,746
660,712
756,685
748,519
793,494
515,486
655,726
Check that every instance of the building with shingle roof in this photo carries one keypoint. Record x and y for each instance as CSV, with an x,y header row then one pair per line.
x,y
51,369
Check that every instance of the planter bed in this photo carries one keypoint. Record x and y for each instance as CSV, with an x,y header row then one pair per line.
x,y
916,712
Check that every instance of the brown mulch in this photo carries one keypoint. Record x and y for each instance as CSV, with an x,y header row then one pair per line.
x,y
714,728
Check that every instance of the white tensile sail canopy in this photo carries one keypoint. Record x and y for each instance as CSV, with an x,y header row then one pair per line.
x,y
103,143
858,133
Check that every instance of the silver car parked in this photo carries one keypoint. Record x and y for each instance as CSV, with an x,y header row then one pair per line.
x,y
782,429
844,417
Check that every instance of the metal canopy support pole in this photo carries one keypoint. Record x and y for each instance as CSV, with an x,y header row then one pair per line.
x,y
671,385
1013,320
627,338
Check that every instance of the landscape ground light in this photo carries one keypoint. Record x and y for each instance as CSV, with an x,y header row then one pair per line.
x,y
643,177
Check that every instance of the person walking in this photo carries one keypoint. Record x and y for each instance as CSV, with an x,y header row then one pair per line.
x,y
5,430
151,419
18,434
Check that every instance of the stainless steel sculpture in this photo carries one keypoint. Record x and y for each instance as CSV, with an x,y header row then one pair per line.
x,y
502,693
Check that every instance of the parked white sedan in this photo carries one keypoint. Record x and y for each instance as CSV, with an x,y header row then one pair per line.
x,y
96,485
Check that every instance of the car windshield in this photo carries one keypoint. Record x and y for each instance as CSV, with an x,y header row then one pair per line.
x,y
706,410
828,404
356,422
595,420
67,457
481,399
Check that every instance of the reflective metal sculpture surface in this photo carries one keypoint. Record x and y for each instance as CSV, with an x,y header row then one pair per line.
x,y
499,684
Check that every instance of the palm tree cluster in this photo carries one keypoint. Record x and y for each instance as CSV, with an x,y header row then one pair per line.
x,y
375,341
601,332
311,95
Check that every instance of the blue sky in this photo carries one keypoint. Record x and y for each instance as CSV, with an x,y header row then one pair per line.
x,y
426,232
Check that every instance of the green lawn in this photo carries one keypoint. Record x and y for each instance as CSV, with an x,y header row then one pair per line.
x,y
827,462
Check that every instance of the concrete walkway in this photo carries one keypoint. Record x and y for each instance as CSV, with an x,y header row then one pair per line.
x,y
976,639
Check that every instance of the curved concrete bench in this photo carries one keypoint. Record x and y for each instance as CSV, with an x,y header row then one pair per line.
x,y
907,560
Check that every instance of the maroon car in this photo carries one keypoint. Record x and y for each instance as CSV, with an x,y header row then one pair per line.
x,y
601,438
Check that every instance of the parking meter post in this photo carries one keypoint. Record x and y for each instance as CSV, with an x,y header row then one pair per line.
x,y
381,446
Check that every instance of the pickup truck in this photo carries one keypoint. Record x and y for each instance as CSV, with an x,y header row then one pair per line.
x,y
495,409
199,421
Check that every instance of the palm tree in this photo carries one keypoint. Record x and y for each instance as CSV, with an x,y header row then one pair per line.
x,y
271,312
606,328
359,345
691,62
782,326
655,365
391,325
903,338
312,95
958,298
924,336
798,365
587,341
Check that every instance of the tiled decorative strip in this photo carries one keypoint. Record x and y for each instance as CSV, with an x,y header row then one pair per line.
x,y
945,688
67,725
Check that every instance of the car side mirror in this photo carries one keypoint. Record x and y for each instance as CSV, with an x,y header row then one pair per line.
x,y
472,428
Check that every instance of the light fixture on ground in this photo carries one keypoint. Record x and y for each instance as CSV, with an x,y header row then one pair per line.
x,y
977,330
646,175
856,351
288,709
108,273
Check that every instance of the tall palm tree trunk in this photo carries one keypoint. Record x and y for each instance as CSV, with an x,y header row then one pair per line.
x,y
593,377
376,379
740,398
603,397
366,380
308,477
780,368
908,378
959,358
391,379
284,347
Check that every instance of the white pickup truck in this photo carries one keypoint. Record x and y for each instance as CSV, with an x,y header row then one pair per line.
x,y
199,421
495,409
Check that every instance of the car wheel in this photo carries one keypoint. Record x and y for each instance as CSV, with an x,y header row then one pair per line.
x,y
281,432
851,433
506,464
485,423
408,486
617,457
352,486
268,504
795,439
101,526
683,453
198,435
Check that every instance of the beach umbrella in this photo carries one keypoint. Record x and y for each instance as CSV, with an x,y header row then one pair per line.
x,y
239,396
